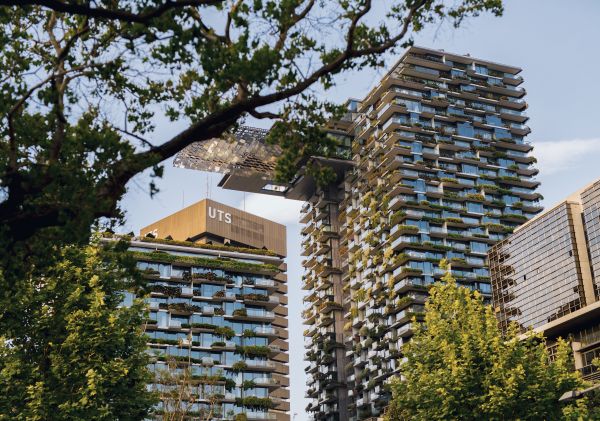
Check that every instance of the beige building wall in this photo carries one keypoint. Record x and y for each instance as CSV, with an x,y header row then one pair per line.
x,y
208,217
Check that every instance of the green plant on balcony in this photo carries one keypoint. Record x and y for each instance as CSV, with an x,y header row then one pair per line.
x,y
200,325
221,263
225,332
240,312
239,366
515,216
218,344
183,307
454,220
166,290
407,229
219,294
252,297
248,384
162,341
253,350
476,196
248,333
255,402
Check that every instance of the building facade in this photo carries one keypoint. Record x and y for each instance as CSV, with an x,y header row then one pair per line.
x,y
436,166
218,313
545,276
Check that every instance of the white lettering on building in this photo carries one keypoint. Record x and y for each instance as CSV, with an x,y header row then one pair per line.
x,y
222,216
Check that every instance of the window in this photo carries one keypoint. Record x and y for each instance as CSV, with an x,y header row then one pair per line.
x,y
469,169
482,70
493,120
465,129
478,247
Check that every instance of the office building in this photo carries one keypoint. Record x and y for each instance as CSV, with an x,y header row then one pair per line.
x,y
545,276
432,164
218,305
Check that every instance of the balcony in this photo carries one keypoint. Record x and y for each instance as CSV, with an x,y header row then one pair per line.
x,y
252,416
265,331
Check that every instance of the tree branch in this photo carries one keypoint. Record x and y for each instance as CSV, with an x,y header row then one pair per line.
x,y
110,14
217,123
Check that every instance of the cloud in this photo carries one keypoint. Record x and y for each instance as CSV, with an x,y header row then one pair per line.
x,y
278,209
562,155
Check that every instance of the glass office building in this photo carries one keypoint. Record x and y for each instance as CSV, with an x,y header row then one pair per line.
x,y
545,276
218,313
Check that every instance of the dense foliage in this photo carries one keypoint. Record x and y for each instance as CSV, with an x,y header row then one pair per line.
x,y
459,366
68,350
82,83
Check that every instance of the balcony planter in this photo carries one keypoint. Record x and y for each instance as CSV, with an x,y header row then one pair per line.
x,y
240,312
239,366
255,402
253,350
166,290
248,333
225,332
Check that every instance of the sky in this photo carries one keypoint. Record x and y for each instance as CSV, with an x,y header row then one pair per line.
x,y
555,42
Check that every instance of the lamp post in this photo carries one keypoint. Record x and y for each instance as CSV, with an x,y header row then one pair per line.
x,y
572,395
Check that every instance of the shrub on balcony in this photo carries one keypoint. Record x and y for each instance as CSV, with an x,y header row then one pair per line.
x,y
248,333
240,312
252,297
207,246
248,384
221,263
239,366
202,326
219,294
255,402
253,350
225,331
166,290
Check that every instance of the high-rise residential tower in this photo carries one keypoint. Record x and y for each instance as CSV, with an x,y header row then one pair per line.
x,y
546,276
218,305
433,163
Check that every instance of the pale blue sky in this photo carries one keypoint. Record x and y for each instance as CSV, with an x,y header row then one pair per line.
x,y
556,44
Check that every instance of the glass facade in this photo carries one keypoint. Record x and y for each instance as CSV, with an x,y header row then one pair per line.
x,y
545,276
536,277
591,217
222,317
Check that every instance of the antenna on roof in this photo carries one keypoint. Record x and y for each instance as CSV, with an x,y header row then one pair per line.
x,y
207,187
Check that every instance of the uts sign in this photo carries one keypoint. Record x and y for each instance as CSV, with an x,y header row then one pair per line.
x,y
222,216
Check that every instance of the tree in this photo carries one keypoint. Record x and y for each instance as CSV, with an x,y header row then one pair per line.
x,y
81,82
459,366
181,387
73,352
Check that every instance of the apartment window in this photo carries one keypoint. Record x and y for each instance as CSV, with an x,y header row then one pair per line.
x,y
474,207
469,169
493,120
482,70
465,129
478,247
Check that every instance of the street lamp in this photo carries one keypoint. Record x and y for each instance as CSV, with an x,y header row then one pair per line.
x,y
572,395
